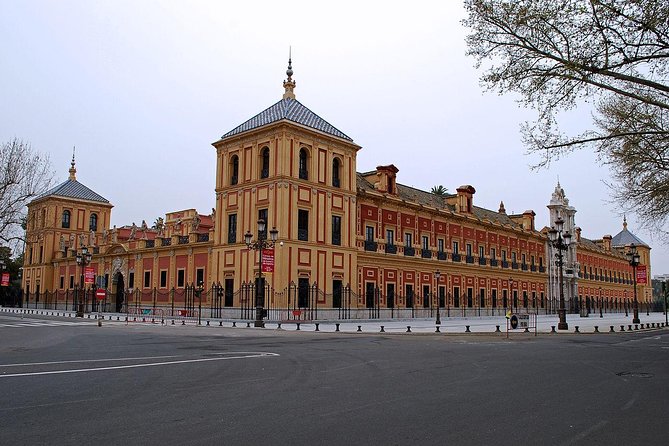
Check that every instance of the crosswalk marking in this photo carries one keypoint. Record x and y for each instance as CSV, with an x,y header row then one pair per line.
x,y
40,323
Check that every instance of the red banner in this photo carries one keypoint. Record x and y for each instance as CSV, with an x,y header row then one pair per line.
x,y
5,279
641,275
89,275
268,261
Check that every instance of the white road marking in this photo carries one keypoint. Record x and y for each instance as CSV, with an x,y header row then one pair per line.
x,y
26,364
244,355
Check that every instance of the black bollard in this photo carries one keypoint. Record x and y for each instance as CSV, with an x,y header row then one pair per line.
x,y
220,323
497,330
207,323
234,324
527,329
467,329
408,328
576,329
636,327
317,327
642,326
298,327
336,327
553,329
436,330
359,328
382,329
248,325
612,330
596,329
183,322
172,321
278,327
629,328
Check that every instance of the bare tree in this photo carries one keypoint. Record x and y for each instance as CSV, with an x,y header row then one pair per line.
x,y
24,175
560,54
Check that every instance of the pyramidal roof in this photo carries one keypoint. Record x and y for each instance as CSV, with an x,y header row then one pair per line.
x,y
626,238
289,109
71,188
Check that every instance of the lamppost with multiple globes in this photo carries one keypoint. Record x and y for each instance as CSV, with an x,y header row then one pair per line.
x,y
83,258
634,259
437,275
259,245
600,302
560,241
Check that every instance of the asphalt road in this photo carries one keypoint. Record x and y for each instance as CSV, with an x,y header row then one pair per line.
x,y
82,384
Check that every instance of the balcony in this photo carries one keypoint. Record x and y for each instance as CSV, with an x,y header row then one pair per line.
x,y
493,262
469,259
441,255
183,239
264,173
409,251
303,234
533,268
505,264
203,237
165,241
336,182
304,174
150,243
514,265
426,254
455,257
371,245
523,266
542,269
482,261
391,249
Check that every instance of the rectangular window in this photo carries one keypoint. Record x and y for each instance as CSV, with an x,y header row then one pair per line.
x,y
303,225
336,230
232,228
106,281
262,215
426,242
427,298
456,248
522,258
503,255
369,233
163,279
199,276
336,293
229,293
408,239
147,279
409,295
390,237
493,253
62,282
482,297
131,279
532,260
469,249
456,296
513,257
71,282
440,245
181,278
41,254
481,251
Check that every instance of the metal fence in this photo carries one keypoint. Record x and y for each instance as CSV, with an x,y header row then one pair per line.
x,y
300,303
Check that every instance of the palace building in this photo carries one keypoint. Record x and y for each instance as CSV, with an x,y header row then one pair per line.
x,y
362,242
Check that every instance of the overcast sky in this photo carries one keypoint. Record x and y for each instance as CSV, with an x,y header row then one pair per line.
x,y
142,88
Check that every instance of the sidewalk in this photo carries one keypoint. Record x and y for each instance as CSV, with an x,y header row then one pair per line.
x,y
450,325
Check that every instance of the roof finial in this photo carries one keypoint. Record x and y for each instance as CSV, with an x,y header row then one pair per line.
x,y
289,84
501,210
73,170
624,222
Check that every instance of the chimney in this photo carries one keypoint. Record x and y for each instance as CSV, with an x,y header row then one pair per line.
x,y
386,179
528,220
607,242
465,199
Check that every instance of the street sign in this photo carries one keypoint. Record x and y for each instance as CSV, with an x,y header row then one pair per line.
x,y
513,321
641,275
5,279
519,321
100,294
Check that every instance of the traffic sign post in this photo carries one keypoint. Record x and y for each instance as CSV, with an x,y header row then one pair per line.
x,y
524,321
100,294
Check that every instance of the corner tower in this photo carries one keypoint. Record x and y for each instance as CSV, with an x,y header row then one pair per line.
x,y
297,172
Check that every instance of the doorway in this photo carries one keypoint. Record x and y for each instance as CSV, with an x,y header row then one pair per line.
x,y
120,292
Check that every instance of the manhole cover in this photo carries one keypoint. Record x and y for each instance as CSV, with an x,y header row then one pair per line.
x,y
635,374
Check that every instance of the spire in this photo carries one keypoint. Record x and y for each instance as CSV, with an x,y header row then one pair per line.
x,y
624,222
501,208
73,170
289,84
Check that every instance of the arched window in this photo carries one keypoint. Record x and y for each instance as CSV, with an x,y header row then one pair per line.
x,y
304,172
93,223
66,219
264,172
335,173
234,170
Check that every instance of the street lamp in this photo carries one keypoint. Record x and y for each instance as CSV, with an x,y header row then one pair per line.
x,y
511,293
437,275
665,287
83,259
600,302
560,242
259,245
198,294
634,258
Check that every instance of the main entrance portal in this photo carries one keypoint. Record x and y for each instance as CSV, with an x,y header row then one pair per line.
x,y
120,292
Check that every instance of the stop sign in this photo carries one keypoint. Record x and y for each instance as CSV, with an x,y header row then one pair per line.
x,y
100,294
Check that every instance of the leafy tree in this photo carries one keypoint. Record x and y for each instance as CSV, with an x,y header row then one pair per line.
x,y
559,54
24,175
440,190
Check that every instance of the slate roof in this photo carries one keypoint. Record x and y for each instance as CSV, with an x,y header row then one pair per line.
x,y
429,199
624,238
73,189
291,110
